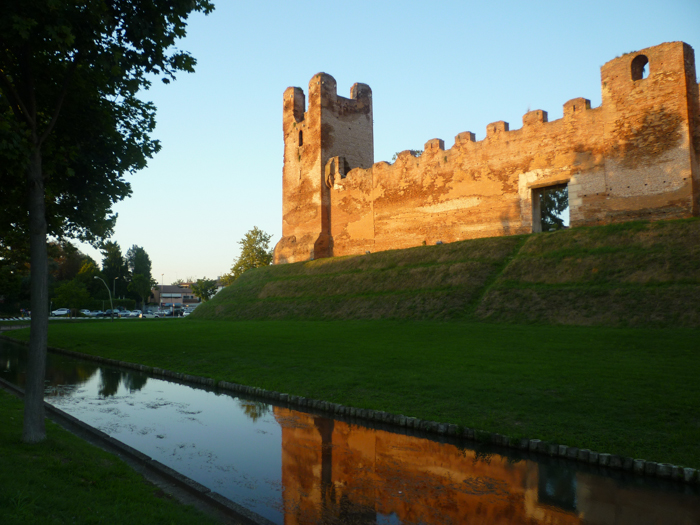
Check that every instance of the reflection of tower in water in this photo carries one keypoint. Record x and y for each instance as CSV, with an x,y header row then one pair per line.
x,y
336,508
325,428
334,473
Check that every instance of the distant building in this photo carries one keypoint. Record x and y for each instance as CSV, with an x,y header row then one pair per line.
x,y
169,294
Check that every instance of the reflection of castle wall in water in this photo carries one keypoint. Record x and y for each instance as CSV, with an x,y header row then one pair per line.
x,y
332,470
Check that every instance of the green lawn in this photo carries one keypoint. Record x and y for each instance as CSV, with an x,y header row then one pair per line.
x,y
627,391
65,480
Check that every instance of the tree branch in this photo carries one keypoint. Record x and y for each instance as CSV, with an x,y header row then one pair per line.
x,y
18,107
30,98
62,96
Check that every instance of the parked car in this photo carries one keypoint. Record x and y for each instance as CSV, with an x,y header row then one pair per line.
x,y
134,313
96,313
174,313
85,312
147,315
60,311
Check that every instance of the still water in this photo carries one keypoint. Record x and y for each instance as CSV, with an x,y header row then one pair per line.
x,y
293,467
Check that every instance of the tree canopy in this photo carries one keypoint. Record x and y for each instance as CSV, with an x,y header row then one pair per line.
x,y
255,252
204,288
138,261
142,285
414,152
71,127
114,268
141,281
553,203
72,294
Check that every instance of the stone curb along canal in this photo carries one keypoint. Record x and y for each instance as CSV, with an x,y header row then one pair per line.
x,y
640,467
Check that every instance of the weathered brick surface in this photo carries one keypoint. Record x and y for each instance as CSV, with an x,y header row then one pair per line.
x,y
634,157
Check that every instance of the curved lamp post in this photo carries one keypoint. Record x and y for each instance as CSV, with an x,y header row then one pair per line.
x,y
110,296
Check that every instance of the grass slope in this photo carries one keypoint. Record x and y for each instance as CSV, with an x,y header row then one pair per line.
x,y
630,274
65,480
627,391
426,282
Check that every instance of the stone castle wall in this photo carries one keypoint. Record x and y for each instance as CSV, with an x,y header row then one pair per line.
x,y
634,157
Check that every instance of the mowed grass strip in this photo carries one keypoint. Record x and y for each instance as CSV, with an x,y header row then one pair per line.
x,y
66,480
627,391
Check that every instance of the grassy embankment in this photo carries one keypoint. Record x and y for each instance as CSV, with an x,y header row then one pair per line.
x,y
626,389
631,274
65,480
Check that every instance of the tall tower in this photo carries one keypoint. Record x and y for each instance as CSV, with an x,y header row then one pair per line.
x,y
652,134
333,126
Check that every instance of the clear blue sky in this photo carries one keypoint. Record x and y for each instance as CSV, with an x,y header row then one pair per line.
x,y
435,68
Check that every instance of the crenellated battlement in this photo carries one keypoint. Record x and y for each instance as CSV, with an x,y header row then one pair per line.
x,y
635,156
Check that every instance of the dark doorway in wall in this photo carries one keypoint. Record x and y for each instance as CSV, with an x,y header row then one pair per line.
x,y
550,208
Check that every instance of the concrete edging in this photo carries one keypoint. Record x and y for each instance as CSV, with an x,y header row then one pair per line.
x,y
638,467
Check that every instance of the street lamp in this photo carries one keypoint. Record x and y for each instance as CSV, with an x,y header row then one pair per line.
x,y
114,293
110,296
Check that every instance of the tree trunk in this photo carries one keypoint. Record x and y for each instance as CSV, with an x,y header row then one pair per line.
x,y
34,429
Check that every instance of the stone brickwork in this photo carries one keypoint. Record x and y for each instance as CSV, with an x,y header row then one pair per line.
x,y
634,157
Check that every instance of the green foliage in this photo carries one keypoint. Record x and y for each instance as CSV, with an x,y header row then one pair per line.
x,y
14,279
255,253
138,261
66,260
553,202
204,288
414,152
141,281
227,279
71,294
66,263
69,77
114,268
73,126
141,285
86,276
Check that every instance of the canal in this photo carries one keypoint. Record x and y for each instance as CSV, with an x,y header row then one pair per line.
x,y
296,467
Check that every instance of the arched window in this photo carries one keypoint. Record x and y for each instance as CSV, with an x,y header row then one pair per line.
x,y
301,138
639,67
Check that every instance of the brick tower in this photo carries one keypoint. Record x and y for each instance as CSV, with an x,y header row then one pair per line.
x,y
333,126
